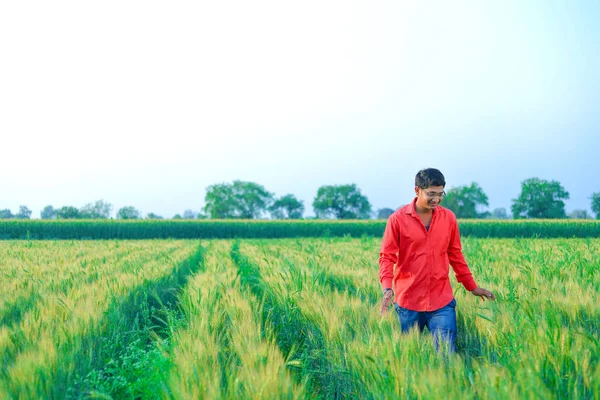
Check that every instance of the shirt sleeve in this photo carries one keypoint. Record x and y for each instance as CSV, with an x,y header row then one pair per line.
x,y
388,255
457,260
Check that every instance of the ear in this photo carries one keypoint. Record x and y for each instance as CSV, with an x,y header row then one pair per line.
x,y
417,191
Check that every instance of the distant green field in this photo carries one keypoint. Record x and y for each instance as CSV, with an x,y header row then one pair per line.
x,y
288,318
229,229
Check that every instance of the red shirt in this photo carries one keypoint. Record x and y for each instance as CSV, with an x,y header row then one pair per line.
x,y
421,258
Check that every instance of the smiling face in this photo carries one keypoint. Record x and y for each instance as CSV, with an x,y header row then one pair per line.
x,y
429,198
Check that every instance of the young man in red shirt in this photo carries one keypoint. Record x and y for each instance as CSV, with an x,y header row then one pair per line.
x,y
421,239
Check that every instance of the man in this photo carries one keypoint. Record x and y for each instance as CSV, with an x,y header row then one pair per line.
x,y
421,239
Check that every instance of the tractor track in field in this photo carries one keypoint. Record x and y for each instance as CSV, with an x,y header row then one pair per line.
x,y
130,327
298,337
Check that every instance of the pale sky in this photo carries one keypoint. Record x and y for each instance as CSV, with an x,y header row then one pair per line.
x,y
147,103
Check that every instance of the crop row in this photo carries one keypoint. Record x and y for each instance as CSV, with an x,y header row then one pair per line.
x,y
229,229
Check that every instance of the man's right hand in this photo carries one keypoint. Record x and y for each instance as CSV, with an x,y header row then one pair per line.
x,y
388,298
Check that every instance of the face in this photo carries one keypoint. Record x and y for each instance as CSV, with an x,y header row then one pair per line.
x,y
429,198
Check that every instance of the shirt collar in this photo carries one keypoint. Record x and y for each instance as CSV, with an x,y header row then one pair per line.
x,y
411,210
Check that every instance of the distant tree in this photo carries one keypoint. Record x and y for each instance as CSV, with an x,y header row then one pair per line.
x,y
466,201
287,207
189,214
128,212
579,214
596,204
98,210
220,201
177,216
48,213
24,213
6,214
341,202
384,213
67,212
540,198
238,200
500,213
153,216
201,216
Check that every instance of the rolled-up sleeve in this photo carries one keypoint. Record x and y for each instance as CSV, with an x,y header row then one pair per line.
x,y
457,260
388,255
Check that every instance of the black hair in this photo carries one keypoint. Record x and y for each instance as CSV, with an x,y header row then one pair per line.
x,y
429,177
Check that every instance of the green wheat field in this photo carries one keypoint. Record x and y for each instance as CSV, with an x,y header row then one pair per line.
x,y
288,318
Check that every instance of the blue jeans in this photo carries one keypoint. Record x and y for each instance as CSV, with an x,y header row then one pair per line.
x,y
441,323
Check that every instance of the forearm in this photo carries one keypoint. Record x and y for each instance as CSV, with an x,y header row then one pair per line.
x,y
462,271
386,270
388,255
457,260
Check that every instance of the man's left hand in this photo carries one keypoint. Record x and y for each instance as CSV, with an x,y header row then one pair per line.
x,y
388,298
484,294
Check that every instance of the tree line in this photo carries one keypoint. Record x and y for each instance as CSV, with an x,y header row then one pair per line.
x,y
249,200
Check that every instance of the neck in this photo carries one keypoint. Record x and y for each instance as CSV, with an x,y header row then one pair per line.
x,y
422,210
